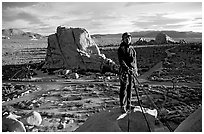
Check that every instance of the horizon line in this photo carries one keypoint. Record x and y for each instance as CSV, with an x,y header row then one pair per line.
x,y
107,33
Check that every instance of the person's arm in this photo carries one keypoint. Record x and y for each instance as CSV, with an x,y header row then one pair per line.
x,y
131,70
133,61
121,59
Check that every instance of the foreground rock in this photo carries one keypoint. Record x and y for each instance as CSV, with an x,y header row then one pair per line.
x,y
193,123
10,123
73,48
14,123
115,121
33,118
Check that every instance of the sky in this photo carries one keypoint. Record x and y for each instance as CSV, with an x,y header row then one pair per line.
x,y
102,17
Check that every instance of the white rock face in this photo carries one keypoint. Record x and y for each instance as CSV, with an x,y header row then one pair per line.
x,y
73,48
33,118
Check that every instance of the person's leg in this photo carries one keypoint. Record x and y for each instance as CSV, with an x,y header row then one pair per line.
x,y
123,91
129,91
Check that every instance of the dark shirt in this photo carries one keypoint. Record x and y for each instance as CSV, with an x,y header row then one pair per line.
x,y
127,57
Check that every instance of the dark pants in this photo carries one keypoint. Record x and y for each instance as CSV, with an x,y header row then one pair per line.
x,y
126,84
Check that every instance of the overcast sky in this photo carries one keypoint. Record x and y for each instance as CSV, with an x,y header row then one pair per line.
x,y
102,17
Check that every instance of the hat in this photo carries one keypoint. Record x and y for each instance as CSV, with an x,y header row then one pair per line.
x,y
126,34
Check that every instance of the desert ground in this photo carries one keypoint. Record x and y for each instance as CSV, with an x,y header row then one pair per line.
x,y
172,75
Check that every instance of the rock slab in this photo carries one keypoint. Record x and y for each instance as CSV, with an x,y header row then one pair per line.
x,y
74,49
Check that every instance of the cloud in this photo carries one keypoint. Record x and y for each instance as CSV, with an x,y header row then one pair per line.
x,y
199,18
6,5
104,17
29,17
173,26
32,19
158,21
142,3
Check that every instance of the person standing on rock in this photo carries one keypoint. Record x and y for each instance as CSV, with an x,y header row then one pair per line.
x,y
128,65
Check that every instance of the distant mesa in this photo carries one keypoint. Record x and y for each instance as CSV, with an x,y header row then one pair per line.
x,y
14,32
163,38
97,35
172,34
160,38
153,34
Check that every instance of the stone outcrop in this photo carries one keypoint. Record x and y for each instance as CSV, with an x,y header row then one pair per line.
x,y
141,41
115,121
163,38
10,123
15,123
73,48
193,123
33,118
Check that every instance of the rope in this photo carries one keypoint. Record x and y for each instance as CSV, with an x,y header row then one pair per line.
x,y
128,122
21,70
137,94
16,73
166,124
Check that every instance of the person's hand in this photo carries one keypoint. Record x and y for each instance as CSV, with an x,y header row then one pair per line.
x,y
134,72
130,71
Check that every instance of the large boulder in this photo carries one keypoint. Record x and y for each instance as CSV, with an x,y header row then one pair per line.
x,y
73,48
10,123
163,38
15,123
193,123
114,121
32,118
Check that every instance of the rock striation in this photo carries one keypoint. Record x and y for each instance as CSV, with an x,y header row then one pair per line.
x,y
73,48
114,121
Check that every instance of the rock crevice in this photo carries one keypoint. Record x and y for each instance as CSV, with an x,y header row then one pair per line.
x,y
73,48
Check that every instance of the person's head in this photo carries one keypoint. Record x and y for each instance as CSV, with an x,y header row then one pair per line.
x,y
126,38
